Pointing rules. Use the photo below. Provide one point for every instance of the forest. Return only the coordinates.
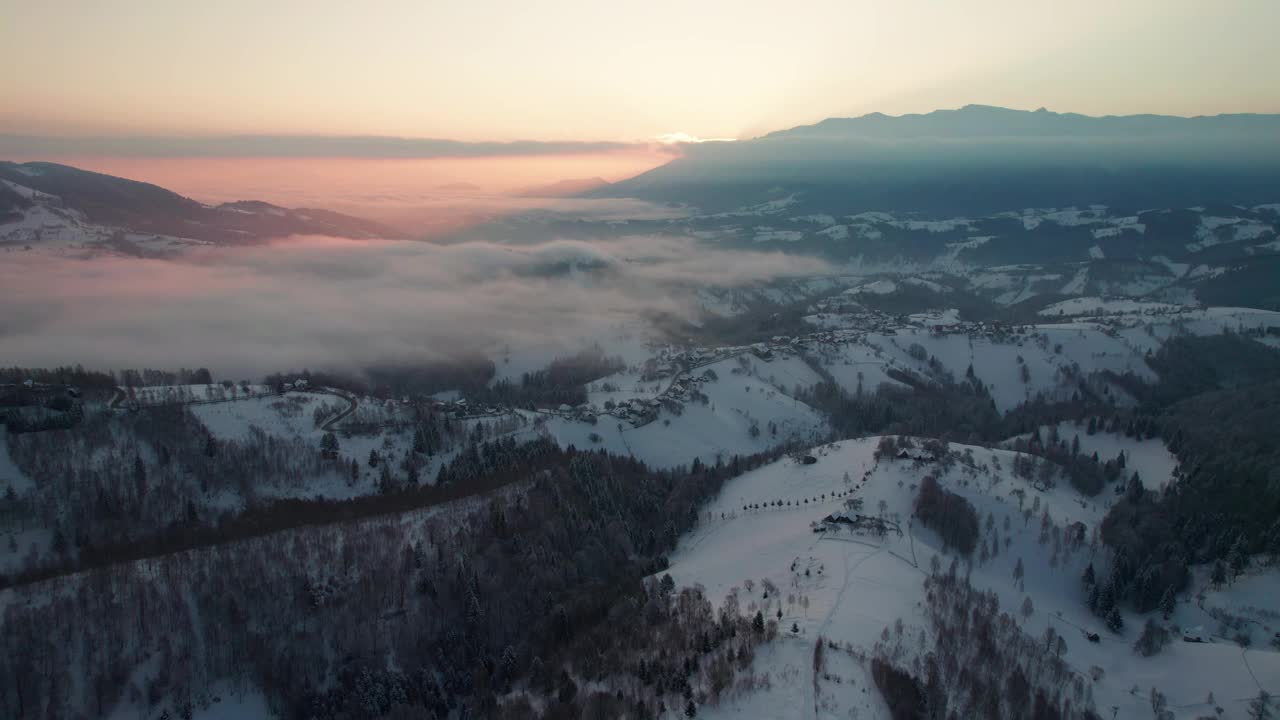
(484, 604)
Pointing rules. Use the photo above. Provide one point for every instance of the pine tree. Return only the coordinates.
(1168, 602)
(1135, 490)
(1089, 577)
(1115, 623)
(1106, 600)
(329, 446)
(419, 442)
(373, 458)
(757, 623)
(139, 475)
(1219, 575)
(690, 710)
(1260, 707)
(1238, 558)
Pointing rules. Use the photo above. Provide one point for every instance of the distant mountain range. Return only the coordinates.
(566, 188)
(980, 159)
(40, 200)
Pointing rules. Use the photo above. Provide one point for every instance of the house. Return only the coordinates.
(299, 384)
(1195, 635)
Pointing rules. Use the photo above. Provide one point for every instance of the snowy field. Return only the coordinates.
(850, 588)
(722, 427)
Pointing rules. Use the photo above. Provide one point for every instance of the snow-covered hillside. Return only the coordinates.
(853, 588)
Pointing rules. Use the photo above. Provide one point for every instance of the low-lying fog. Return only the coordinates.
(331, 303)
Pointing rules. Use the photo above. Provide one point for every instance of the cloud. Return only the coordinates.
(680, 138)
(294, 146)
(329, 303)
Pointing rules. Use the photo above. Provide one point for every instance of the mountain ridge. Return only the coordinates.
(124, 204)
(979, 159)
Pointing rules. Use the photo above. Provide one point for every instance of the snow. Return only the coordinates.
(1096, 253)
(721, 428)
(1176, 269)
(768, 234)
(1254, 597)
(926, 284)
(878, 287)
(221, 702)
(1106, 306)
(10, 475)
(858, 586)
(26, 192)
(630, 386)
(819, 219)
(1150, 458)
(1242, 229)
(174, 394)
(856, 365)
(836, 232)
(936, 226)
(1076, 286)
(996, 363)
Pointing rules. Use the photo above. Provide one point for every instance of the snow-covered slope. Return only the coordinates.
(851, 588)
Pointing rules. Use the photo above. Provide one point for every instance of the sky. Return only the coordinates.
(570, 70)
(593, 83)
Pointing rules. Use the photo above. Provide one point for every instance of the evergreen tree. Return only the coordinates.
(1219, 574)
(757, 623)
(139, 475)
(1238, 558)
(1260, 707)
(1167, 602)
(374, 459)
(1089, 577)
(329, 446)
(1106, 599)
(1135, 490)
(1115, 623)
(690, 710)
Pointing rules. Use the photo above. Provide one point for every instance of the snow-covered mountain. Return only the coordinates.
(981, 159)
(60, 208)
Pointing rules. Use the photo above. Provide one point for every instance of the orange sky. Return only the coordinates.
(356, 182)
(623, 71)
(573, 71)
